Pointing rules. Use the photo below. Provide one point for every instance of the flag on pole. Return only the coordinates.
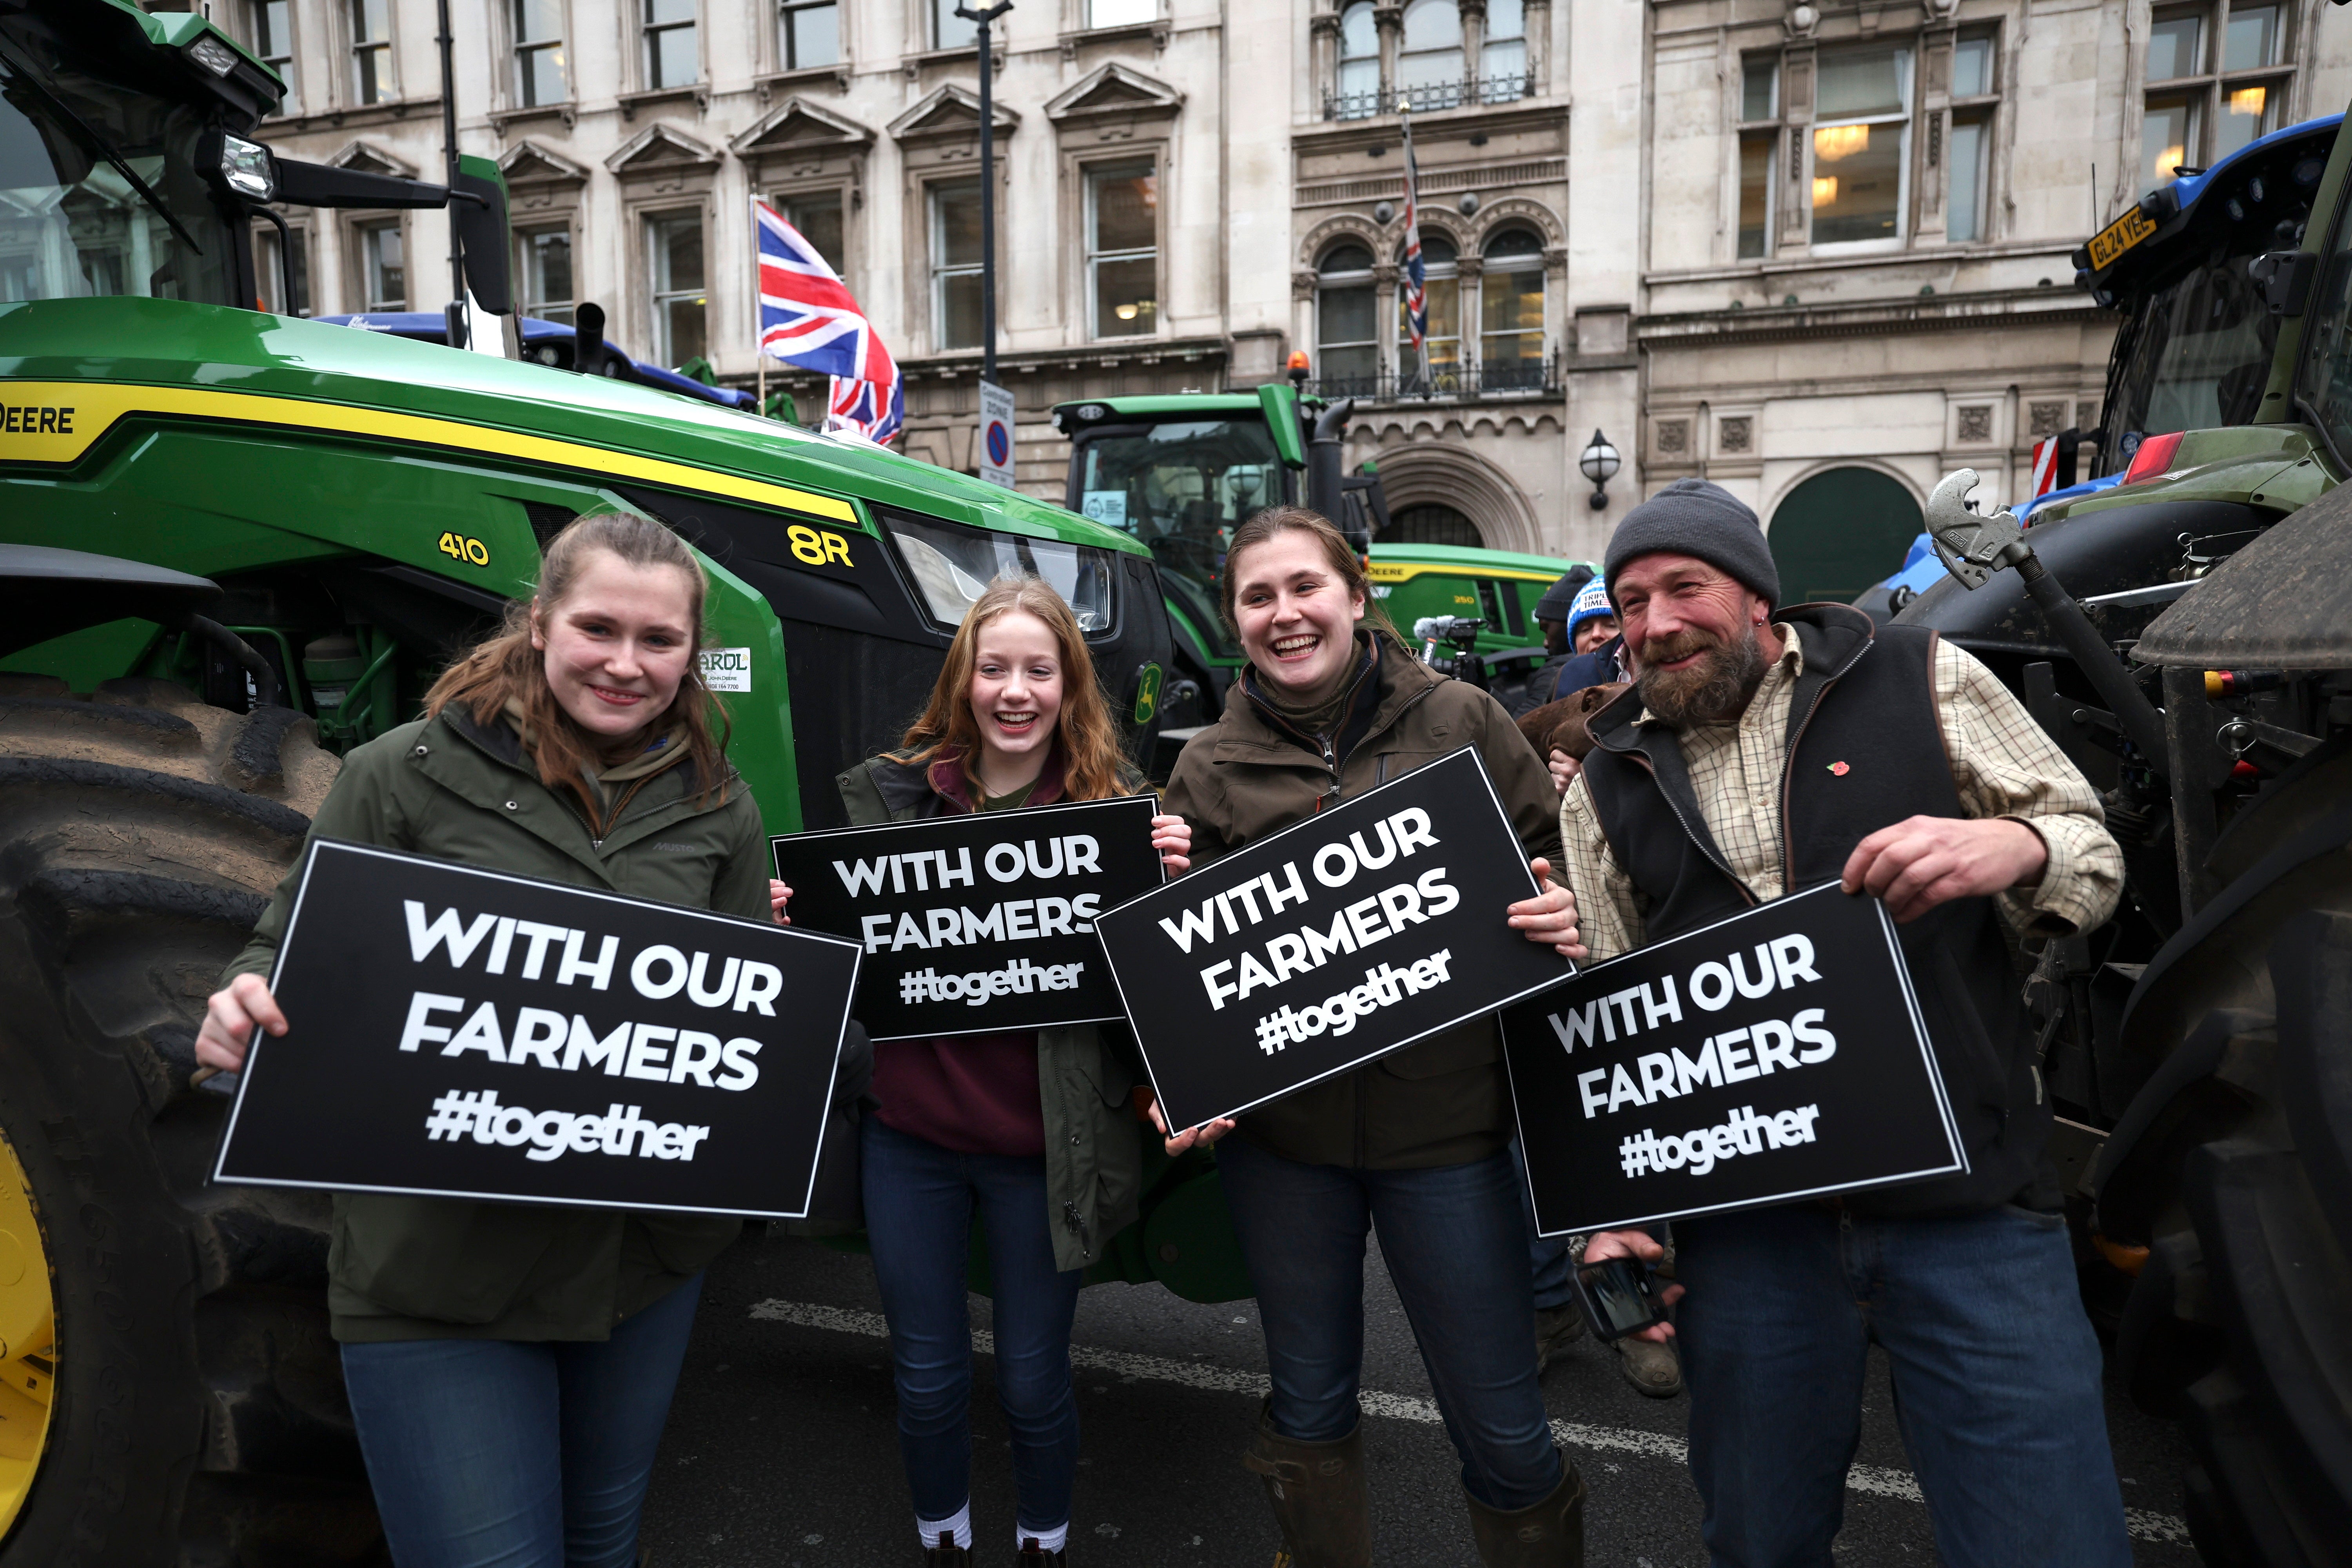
(809, 320)
(1416, 274)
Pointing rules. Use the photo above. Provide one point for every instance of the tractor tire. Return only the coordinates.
(197, 1414)
(2234, 1167)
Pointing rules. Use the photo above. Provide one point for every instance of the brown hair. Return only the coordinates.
(506, 667)
(1091, 759)
(1342, 556)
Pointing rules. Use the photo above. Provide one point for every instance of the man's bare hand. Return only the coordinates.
(1549, 917)
(1639, 1244)
(1564, 769)
(1923, 861)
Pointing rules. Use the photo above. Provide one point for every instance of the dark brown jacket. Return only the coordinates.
(1442, 1101)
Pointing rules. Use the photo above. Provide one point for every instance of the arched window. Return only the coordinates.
(1433, 524)
(1511, 313)
(1430, 67)
(1360, 64)
(1444, 335)
(1347, 337)
(1839, 531)
(1503, 58)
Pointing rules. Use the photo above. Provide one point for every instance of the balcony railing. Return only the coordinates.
(1428, 96)
(1510, 378)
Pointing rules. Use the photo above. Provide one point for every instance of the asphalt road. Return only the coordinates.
(781, 1452)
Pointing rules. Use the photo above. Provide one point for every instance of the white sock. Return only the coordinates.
(957, 1524)
(1052, 1540)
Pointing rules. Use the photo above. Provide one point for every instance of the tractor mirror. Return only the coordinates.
(482, 230)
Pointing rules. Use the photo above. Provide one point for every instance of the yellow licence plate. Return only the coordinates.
(2119, 236)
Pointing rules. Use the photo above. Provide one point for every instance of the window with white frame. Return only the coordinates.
(808, 34)
(674, 268)
(1862, 132)
(544, 257)
(1442, 289)
(1503, 57)
(281, 269)
(1346, 321)
(672, 55)
(1511, 312)
(1759, 153)
(955, 264)
(1429, 65)
(1123, 249)
(950, 31)
(372, 71)
(543, 75)
(383, 266)
(1359, 97)
(271, 25)
(1122, 13)
(1975, 89)
(2218, 76)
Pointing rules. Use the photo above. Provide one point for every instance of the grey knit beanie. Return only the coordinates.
(1700, 519)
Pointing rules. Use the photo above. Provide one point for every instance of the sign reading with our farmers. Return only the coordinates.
(1340, 938)
(977, 922)
(1775, 1056)
(456, 1033)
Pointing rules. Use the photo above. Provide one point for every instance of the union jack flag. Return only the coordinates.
(1416, 276)
(809, 320)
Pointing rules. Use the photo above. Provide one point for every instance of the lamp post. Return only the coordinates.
(1599, 461)
(983, 22)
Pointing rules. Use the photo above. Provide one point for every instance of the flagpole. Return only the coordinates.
(758, 317)
(1412, 191)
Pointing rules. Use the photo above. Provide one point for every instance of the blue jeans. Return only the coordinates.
(1455, 1241)
(1546, 1255)
(919, 1204)
(514, 1454)
(1997, 1383)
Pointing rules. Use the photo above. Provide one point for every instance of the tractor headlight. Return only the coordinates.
(952, 566)
(212, 55)
(247, 169)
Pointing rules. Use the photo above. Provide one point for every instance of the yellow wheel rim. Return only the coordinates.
(27, 1339)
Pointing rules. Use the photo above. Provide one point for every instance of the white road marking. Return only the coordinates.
(1868, 1478)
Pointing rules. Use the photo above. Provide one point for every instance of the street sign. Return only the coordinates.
(468, 1034)
(995, 452)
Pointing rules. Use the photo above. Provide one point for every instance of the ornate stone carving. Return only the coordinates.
(1976, 422)
(1674, 436)
(1736, 433)
(2045, 419)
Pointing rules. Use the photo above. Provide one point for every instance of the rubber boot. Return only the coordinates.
(947, 1554)
(1319, 1496)
(1549, 1534)
(1033, 1556)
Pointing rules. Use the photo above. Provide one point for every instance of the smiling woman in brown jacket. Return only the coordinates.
(1333, 704)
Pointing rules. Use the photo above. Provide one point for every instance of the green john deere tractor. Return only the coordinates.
(233, 545)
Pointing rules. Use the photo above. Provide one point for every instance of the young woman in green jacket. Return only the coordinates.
(1033, 1130)
(511, 1366)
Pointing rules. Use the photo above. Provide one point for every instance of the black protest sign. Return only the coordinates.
(454, 1032)
(1774, 1055)
(981, 922)
(1337, 940)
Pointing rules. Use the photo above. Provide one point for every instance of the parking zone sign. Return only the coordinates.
(995, 453)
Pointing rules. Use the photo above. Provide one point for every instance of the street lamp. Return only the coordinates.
(982, 21)
(1599, 462)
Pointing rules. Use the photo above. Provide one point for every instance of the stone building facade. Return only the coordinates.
(1817, 251)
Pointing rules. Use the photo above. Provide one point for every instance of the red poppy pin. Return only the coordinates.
(1840, 769)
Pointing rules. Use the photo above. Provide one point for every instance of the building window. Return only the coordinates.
(1511, 313)
(1969, 160)
(545, 258)
(680, 310)
(273, 40)
(1760, 150)
(950, 31)
(384, 267)
(282, 273)
(1442, 289)
(1360, 64)
(811, 34)
(1123, 251)
(818, 217)
(2200, 109)
(1860, 133)
(1122, 13)
(1346, 321)
(541, 74)
(672, 59)
(371, 74)
(1503, 57)
(1429, 67)
(955, 264)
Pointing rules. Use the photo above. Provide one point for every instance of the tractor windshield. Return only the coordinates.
(1182, 488)
(2194, 356)
(74, 150)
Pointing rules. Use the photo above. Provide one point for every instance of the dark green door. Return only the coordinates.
(1840, 533)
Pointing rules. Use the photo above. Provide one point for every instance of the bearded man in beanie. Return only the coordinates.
(1762, 750)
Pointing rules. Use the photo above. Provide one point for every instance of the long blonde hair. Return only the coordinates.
(1091, 759)
(506, 668)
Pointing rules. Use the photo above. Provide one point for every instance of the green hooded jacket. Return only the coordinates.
(419, 1269)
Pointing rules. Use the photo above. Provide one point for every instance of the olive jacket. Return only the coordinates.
(413, 1269)
(1442, 1101)
(1093, 1142)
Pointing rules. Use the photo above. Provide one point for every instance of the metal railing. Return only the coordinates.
(1428, 96)
(1511, 378)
